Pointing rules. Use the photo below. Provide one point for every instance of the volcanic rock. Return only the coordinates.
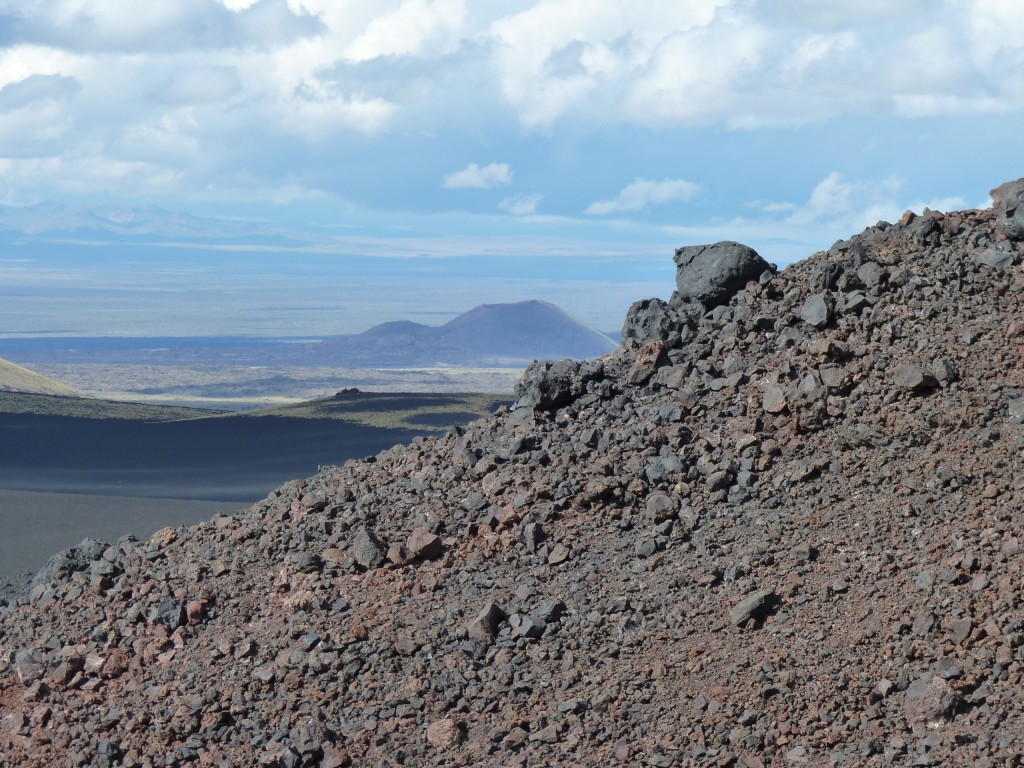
(651, 320)
(817, 310)
(755, 606)
(749, 536)
(1009, 206)
(712, 274)
(367, 550)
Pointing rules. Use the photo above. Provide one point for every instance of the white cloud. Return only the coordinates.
(643, 193)
(201, 85)
(771, 206)
(839, 208)
(475, 176)
(318, 114)
(238, 5)
(852, 205)
(414, 27)
(521, 205)
(613, 43)
(291, 80)
(21, 62)
(835, 208)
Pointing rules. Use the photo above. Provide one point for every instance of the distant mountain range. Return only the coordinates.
(56, 219)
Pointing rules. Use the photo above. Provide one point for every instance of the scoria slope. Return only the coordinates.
(779, 526)
(14, 378)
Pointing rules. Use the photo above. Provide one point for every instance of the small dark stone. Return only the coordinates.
(755, 606)
(910, 376)
(817, 310)
(367, 550)
(484, 627)
(168, 612)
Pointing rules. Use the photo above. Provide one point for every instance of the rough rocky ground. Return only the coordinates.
(780, 526)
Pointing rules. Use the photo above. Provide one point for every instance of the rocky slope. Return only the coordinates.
(14, 378)
(781, 525)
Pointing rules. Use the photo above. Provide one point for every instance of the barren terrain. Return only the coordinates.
(242, 387)
(781, 525)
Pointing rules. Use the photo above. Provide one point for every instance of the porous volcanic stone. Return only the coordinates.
(1009, 204)
(367, 550)
(712, 274)
(930, 701)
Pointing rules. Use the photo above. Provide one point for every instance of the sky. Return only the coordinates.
(479, 128)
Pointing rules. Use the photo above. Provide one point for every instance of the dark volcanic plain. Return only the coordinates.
(104, 469)
(780, 525)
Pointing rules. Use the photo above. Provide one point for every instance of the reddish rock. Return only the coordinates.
(423, 544)
(444, 734)
(195, 611)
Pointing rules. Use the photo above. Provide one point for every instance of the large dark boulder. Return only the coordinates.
(712, 274)
(1009, 204)
(546, 385)
(652, 320)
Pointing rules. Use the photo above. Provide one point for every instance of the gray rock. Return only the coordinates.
(1009, 205)
(910, 376)
(550, 611)
(63, 564)
(712, 274)
(661, 507)
(484, 627)
(755, 606)
(29, 665)
(307, 741)
(929, 701)
(652, 320)
(645, 547)
(857, 435)
(533, 534)
(548, 386)
(949, 668)
(532, 627)
(871, 273)
(168, 612)
(1015, 409)
(108, 754)
(817, 310)
(995, 259)
(945, 370)
(367, 550)
(304, 562)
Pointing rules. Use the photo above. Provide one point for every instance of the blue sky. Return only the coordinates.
(478, 125)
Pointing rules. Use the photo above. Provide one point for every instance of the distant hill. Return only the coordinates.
(490, 334)
(14, 378)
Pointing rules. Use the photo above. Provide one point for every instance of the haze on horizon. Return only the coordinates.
(553, 149)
